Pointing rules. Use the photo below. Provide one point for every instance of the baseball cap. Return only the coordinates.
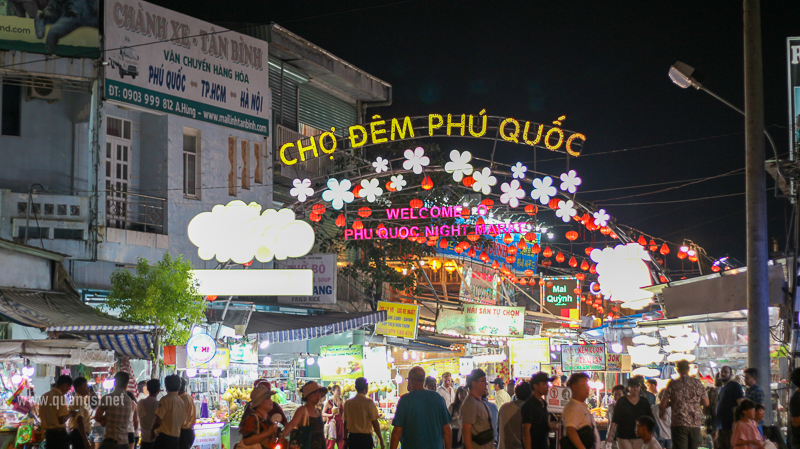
(498, 381)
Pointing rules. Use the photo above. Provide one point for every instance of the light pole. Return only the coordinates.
(758, 336)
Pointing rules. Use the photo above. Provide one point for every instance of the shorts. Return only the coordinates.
(98, 434)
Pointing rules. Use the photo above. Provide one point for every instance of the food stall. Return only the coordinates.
(207, 367)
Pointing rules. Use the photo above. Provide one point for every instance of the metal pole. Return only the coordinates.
(756, 190)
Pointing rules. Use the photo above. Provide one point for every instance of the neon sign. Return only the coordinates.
(201, 348)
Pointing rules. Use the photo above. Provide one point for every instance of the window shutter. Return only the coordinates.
(288, 115)
(322, 110)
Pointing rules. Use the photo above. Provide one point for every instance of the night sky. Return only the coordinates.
(602, 64)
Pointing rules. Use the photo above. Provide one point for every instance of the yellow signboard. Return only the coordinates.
(221, 360)
(401, 320)
(533, 350)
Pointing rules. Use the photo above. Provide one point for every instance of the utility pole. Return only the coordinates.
(756, 189)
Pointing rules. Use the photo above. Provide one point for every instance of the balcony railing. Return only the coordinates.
(135, 212)
(316, 166)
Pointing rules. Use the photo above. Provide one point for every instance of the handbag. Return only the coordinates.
(241, 445)
(486, 436)
(301, 436)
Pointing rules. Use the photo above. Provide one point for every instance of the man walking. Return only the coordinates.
(79, 425)
(170, 414)
(421, 420)
(730, 395)
(577, 415)
(509, 419)
(685, 395)
(147, 412)
(500, 395)
(190, 417)
(476, 418)
(53, 412)
(115, 412)
(360, 417)
(535, 419)
(446, 390)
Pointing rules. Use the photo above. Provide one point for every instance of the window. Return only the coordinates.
(11, 112)
(191, 163)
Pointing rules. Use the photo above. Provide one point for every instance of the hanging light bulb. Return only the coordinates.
(266, 360)
(263, 344)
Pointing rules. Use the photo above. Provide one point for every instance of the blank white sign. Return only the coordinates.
(254, 282)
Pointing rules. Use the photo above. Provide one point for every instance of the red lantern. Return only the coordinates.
(593, 270)
(480, 221)
(715, 268)
(431, 243)
(427, 183)
(489, 203)
(571, 236)
(584, 265)
(560, 257)
(592, 226)
(473, 237)
(613, 235)
(580, 276)
(588, 251)
(521, 245)
(468, 181)
(416, 203)
(529, 272)
(465, 212)
(530, 237)
(495, 265)
(512, 250)
(681, 255)
(664, 249)
(357, 190)
(586, 218)
(523, 281)
(211, 297)
(577, 290)
(573, 262)
(662, 278)
(318, 209)
(653, 245)
(508, 238)
(315, 218)
(471, 253)
(605, 230)
(642, 241)
(536, 248)
(485, 257)
(615, 308)
(511, 259)
(390, 187)
(541, 282)
(546, 263)
(358, 225)
(583, 299)
(693, 258)
(549, 284)
(364, 212)
(341, 221)
(547, 252)
(531, 209)
(443, 243)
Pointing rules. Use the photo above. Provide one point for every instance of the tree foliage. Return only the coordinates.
(163, 295)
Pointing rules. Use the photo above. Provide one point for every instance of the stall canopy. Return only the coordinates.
(64, 312)
(56, 352)
(278, 327)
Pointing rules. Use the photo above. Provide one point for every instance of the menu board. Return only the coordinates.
(583, 357)
(530, 350)
(494, 321)
(613, 362)
(341, 362)
(401, 320)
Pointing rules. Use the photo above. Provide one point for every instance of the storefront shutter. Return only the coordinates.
(288, 115)
(322, 110)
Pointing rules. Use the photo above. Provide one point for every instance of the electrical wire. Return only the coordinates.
(675, 187)
(584, 192)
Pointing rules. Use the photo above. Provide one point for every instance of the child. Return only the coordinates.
(759, 419)
(745, 433)
(645, 426)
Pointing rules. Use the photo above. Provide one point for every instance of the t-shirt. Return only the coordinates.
(653, 444)
(726, 404)
(626, 413)
(665, 423)
(448, 394)
(534, 412)
(794, 412)
(190, 411)
(52, 406)
(81, 404)
(685, 394)
(509, 425)
(422, 415)
(172, 412)
(147, 414)
(475, 412)
(500, 398)
(576, 414)
(358, 414)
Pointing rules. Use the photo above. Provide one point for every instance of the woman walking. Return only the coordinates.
(307, 419)
(257, 425)
(333, 413)
(455, 413)
(627, 410)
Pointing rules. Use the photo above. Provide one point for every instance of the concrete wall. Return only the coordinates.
(21, 270)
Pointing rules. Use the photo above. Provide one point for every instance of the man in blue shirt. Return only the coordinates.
(421, 420)
(730, 395)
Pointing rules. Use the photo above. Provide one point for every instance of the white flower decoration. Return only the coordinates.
(338, 193)
(513, 193)
(415, 160)
(543, 189)
(381, 165)
(398, 182)
(484, 181)
(302, 189)
(601, 218)
(459, 165)
(566, 210)
(570, 181)
(519, 170)
(370, 189)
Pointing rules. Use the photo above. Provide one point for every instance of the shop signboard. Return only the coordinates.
(68, 28)
(376, 365)
(530, 350)
(341, 362)
(583, 357)
(211, 435)
(451, 321)
(525, 258)
(557, 398)
(169, 62)
(613, 362)
(793, 71)
(526, 369)
(244, 353)
(324, 268)
(221, 360)
(494, 321)
(200, 348)
(559, 297)
(478, 285)
(401, 320)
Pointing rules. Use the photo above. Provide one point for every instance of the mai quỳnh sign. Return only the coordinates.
(494, 321)
(169, 62)
(401, 320)
(341, 362)
(54, 28)
(559, 297)
(583, 357)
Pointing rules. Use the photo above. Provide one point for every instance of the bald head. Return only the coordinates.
(416, 378)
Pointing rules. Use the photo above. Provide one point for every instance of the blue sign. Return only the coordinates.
(526, 260)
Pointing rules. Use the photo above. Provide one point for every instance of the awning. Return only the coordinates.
(279, 327)
(134, 346)
(56, 352)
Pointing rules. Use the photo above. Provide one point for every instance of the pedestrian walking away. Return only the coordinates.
(170, 414)
(500, 394)
(685, 396)
(54, 413)
(360, 417)
(186, 439)
(115, 413)
(535, 418)
(509, 419)
(147, 411)
(307, 419)
(663, 419)
(421, 420)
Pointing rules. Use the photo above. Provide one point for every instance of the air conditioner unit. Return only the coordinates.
(45, 89)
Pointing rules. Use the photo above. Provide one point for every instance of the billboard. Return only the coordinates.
(583, 357)
(525, 259)
(793, 71)
(54, 27)
(324, 268)
(341, 362)
(169, 62)
(494, 321)
(480, 285)
(401, 320)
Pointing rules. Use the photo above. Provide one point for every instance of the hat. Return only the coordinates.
(541, 377)
(498, 381)
(262, 381)
(259, 394)
(311, 387)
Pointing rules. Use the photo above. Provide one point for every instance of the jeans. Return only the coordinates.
(56, 439)
(686, 437)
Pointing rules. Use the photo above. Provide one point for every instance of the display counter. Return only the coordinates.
(214, 435)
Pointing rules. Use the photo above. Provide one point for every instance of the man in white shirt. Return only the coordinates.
(645, 426)
(500, 395)
(446, 389)
(147, 412)
(576, 414)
